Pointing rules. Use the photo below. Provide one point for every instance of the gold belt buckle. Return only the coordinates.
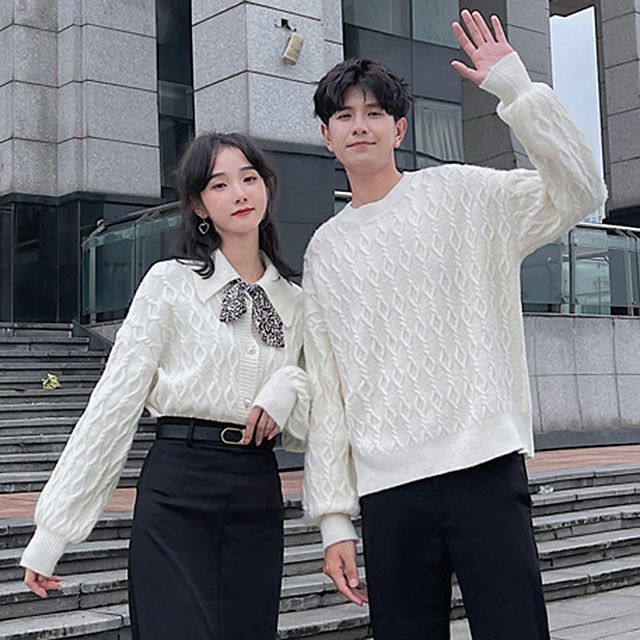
(224, 431)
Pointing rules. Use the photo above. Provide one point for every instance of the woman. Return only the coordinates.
(211, 346)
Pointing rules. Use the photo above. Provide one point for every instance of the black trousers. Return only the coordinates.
(476, 522)
(205, 560)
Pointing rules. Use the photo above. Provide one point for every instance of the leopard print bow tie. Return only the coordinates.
(265, 318)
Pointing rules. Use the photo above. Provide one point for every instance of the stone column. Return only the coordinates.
(618, 37)
(28, 88)
(242, 84)
(107, 97)
(487, 140)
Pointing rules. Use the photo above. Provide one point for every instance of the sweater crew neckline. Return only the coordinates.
(370, 211)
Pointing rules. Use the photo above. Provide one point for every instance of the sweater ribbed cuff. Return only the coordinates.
(278, 403)
(43, 552)
(507, 79)
(336, 527)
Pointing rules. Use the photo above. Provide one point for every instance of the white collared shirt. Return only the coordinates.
(174, 356)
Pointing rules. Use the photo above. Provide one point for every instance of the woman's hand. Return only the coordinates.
(39, 583)
(263, 424)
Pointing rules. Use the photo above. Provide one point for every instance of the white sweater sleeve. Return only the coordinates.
(286, 398)
(92, 461)
(330, 494)
(566, 186)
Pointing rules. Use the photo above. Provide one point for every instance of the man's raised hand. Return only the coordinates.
(483, 47)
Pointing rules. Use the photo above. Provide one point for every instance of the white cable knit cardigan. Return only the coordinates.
(414, 336)
(174, 356)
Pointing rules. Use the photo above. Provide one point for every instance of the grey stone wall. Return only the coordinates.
(78, 97)
(244, 85)
(585, 377)
(618, 38)
(487, 141)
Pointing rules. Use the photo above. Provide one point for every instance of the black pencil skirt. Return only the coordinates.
(205, 559)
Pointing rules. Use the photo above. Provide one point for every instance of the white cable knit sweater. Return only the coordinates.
(174, 356)
(414, 336)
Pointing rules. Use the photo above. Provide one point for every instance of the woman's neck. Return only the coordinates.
(244, 256)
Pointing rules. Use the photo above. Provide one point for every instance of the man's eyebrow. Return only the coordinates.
(369, 105)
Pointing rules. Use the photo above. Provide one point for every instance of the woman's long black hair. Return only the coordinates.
(192, 173)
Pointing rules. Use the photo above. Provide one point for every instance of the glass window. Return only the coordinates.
(545, 278)
(388, 16)
(592, 289)
(438, 127)
(432, 21)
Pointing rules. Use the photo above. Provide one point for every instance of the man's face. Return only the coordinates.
(361, 134)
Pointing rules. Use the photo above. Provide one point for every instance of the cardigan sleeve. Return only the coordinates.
(286, 398)
(90, 465)
(330, 494)
(566, 184)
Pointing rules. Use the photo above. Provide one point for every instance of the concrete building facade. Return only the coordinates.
(97, 98)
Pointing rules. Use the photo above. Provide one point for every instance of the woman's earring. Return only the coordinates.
(204, 227)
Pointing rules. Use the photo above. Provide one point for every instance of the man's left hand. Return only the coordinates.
(483, 47)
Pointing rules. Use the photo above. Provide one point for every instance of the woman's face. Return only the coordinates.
(235, 198)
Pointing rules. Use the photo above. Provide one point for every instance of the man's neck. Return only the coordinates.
(370, 187)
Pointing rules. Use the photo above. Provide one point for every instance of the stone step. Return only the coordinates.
(595, 547)
(78, 591)
(101, 623)
(107, 554)
(43, 360)
(46, 461)
(52, 425)
(15, 533)
(26, 411)
(307, 559)
(310, 605)
(561, 480)
(335, 622)
(10, 369)
(21, 381)
(40, 342)
(25, 482)
(55, 443)
(26, 395)
(578, 523)
(585, 498)
(36, 329)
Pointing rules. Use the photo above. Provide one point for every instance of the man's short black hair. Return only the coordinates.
(389, 90)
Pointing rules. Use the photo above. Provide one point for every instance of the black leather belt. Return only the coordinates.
(223, 434)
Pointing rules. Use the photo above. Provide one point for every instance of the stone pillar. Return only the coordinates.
(78, 97)
(487, 141)
(242, 84)
(28, 88)
(107, 98)
(618, 38)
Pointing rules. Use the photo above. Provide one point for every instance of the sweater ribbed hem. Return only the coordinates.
(336, 527)
(481, 442)
(43, 552)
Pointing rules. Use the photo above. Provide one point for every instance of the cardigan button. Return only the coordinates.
(247, 403)
(251, 349)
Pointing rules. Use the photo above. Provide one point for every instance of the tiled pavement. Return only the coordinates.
(22, 504)
(612, 615)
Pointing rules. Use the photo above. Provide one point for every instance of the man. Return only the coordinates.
(415, 349)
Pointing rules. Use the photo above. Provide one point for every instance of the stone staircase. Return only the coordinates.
(35, 423)
(587, 524)
(588, 532)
